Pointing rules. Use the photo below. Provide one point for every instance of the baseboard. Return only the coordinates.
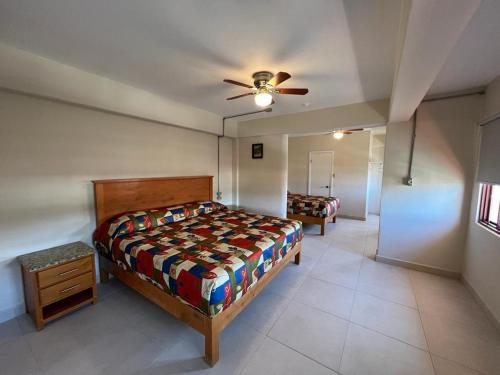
(11, 312)
(418, 267)
(352, 217)
(481, 303)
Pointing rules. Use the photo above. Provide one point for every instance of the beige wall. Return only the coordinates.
(262, 182)
(482, 248)
(427, 223)
(49, 153)
(350, 168)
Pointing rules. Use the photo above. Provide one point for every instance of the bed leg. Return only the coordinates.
(212, 347)
(103, 275)
(323, 228)
(297, 258)
(334, 219)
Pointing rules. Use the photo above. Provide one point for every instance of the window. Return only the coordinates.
(489, 207)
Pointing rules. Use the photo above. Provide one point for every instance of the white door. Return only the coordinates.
(374, 187)
(320, 173)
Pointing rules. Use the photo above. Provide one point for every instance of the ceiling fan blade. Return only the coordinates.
(347, 132)
(278, 78)
(356, 130)
(240, 96)
(238, 83)
(292, 91)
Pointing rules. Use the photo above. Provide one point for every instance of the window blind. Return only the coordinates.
(489, 159)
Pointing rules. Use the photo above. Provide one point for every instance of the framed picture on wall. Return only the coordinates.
(257, 151)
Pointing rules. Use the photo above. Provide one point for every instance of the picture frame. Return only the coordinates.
(257, 151)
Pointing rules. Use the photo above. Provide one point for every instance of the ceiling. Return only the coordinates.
(343, 51)
(475, 59)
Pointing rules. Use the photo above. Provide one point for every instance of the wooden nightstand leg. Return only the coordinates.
(39, 323)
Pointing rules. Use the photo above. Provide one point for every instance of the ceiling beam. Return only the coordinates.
(349, 116)
(429, 31)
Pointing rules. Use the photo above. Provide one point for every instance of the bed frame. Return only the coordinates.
(314, 220)
(116, 196)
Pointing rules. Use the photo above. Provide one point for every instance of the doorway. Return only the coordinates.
(375, 170)
(320, 173)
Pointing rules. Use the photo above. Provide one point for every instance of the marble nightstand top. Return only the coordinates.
(56, 255)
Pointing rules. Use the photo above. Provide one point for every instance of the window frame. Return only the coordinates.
(484, 209)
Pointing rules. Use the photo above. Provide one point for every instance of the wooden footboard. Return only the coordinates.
(210, 327)
(322, 221)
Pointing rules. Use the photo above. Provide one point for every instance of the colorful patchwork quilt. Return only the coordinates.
(202, 253)
(310, 205)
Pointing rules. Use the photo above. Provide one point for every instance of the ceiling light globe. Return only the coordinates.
(338, 135)
(263, 99)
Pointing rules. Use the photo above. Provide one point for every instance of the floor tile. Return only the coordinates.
(325, 296)
(288, 281)
(9, 330)
(444, 367)
(387, 282)
(393, 293)
(368, 352)
(264, 310)
(273, 358)
(16, 358)
(338, 267)
(469, 344)
(449, 299)
(372, 272)
(237, 343)
(391, 319)
(56, 338)
(314, 333)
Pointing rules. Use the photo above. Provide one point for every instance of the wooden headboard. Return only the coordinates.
(116, 196)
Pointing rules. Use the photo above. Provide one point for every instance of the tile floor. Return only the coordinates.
(339, 312)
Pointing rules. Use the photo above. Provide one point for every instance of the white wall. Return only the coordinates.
(482, 248)
(50, 152)
(262, 183)
(427, 223)
(350, 167)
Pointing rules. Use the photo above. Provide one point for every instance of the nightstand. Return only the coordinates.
(58, 281)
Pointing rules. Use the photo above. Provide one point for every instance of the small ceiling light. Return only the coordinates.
(263, 98)
(338, 135)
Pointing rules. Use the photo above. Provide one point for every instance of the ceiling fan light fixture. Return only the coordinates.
(263, 98)
(338, 135)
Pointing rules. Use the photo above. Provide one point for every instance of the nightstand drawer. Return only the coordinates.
(66, 288)
(64, 271)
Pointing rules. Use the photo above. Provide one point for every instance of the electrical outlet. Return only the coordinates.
(408, 181)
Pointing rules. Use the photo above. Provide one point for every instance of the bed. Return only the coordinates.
(312, 209)
(195, 258)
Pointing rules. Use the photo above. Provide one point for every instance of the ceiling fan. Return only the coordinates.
(339, 134)
(264, 86)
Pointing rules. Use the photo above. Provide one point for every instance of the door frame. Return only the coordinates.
(309, 171)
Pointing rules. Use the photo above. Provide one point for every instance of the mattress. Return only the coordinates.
(310, 205)
(204, 254)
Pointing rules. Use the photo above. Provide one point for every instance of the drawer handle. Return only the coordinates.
(70, 288)
(67, 272)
